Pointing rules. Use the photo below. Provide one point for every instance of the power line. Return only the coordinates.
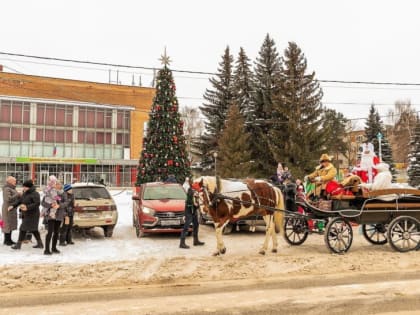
(190, 71)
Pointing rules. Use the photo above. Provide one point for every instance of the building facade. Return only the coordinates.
(76, 130)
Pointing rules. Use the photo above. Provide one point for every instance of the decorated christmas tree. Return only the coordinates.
(164, 155)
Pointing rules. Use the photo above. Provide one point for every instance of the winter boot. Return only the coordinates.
(8, 239)
(11, 241)
(182, 244)
(17, 245)
(38, 241)
(197, 241)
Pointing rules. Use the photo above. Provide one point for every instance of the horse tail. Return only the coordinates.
(279, 215)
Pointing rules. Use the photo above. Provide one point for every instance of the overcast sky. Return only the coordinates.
(342, 40)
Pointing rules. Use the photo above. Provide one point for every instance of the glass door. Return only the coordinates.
(43, 178)
(67, 178)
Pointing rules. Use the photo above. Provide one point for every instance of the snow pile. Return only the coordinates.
(95, 247)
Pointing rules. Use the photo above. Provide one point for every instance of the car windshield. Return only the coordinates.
(89, 193)
(164, 192)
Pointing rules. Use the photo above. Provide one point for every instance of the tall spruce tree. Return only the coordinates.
(164, 143)
(215, 109)
(266, 78)
(297, 138)
(243, 85)
(374, 127)
(335, 129)
(234, 156)
(413, 170)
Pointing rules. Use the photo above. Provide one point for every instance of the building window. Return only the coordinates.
(4, 133)
(100, 119)
(60, 116)
(5, 109)
(16, 113)
(49, 117)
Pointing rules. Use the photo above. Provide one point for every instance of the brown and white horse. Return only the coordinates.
(225, 199)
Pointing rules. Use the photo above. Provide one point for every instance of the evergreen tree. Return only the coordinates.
(164, 142)
(266, 75)
(218, 101)
(234, 156)
(243, 83)
(297, 138)
(413, 170)
(374, 126)
(335, 129)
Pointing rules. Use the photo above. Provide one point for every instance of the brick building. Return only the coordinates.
(76, 130)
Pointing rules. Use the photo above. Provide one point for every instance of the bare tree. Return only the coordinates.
(193, 129)
(402, 121)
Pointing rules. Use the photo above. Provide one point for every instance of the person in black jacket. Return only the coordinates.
(68, 205)
(29, 206)
(191, 207)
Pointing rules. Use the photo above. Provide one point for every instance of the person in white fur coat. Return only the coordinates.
(382, 180)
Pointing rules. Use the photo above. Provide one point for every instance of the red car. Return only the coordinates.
(158, 208)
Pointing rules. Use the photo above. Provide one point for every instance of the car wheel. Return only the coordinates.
(108, 230)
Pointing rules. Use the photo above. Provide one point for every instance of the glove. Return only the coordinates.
(318, 178)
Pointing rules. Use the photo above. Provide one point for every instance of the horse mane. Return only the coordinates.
(210, 182)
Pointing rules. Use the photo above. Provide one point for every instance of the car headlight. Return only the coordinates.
(149, 211)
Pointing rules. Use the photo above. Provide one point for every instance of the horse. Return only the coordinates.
(226, 199)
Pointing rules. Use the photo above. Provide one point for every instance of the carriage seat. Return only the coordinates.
(399, 192)
(343, 197)
(403, 198)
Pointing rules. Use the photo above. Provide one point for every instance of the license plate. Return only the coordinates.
(170, 222)
(88, 215)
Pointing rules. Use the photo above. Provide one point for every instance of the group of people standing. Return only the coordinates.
(57, 211)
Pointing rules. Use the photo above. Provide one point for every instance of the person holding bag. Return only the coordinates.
(53, 213)
(9, 212)
(29, 206)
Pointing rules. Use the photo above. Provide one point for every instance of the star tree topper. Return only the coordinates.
(165, 59)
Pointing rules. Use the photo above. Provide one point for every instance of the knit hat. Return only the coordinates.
(67, 187)
(28, 183)
(325, 157)
(52, 180)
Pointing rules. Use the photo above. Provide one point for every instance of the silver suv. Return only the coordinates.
(94, 206)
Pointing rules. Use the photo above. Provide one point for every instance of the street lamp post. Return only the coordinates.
(379, 136)
(215, 163)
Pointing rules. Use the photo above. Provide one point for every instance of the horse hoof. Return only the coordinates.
(262, 252)
(217, 253)
(274, 250)
(223, 250)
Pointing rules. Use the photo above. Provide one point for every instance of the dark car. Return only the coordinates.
(158, 208)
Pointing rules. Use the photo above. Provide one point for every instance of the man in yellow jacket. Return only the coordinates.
(323, 173)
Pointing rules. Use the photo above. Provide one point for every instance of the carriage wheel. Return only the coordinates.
(338, 235)
(404, 233)
(375, 233)
(295, 230)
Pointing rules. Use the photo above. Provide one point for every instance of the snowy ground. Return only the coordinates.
(95, 247)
